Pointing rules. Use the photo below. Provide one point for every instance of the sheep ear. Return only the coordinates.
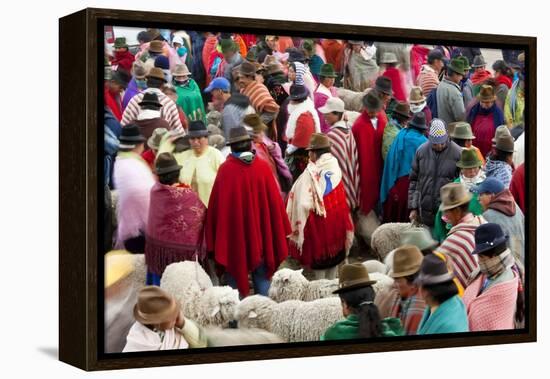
(252, 314)
(215, 311)
(300, 270)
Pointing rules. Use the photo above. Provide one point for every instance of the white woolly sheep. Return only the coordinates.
(288, 284)
(374, 265)
(292, 320)
(389, 262)
(186, 281)
(383, 282)
(353, 101)
(387, 237)
(236, 337)
(139, 276)
(218, 306)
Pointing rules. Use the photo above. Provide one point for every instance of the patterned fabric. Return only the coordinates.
(427, 79)
(260, 98)
(409, 311)
(174, 227)
(438, 131)
(344, 149)
(458, 247)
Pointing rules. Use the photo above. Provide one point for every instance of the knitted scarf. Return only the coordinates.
(307, 194)
(494, 266)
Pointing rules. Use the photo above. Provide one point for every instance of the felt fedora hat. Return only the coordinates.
(247, 69)
(298, 92)
(505, 143)
(155, 306)
(372, 102)
(407, 260)
(122, 77)
(466, 62)
(419, 121)
(479, 61)
(416, 96)
(327, 71)
(383, 84)
(272, 66)
(353, 276)
(457, 65)
(181, 70)
(255, 122)
(403, 109)
(454, 195)
(120, 42)
(130, 136)
(197, 129)
(156, 73)
(318, 141)
(501, 130)
(156, 46)
(488, 236)
(469, 159)
(238, 134)
(166, 163)
(388, 57)
(433, 270)
(150, 99)
(461, 130)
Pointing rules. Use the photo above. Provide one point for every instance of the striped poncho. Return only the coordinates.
(260, 98)
(458, 246)
(169, 111)
(344, 149)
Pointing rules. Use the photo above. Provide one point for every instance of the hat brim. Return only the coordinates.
(418, 126)
(417, 101)
(463, 201)
(298, 97)
(198, 134)
(135, 139)
(327, 110)
(238, 139)
(150, 103)
(354, 286)
(309, 148)
(165, 316)
(327, 75)
(166, 170)
(481, 248)
(402, 274)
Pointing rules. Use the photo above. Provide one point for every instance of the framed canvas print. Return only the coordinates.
(240, 189)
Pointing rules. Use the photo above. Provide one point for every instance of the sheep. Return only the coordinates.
(375, 266)
(292, 320)
(217, 306)
(383, 282)
(218, 337)
(139, 276)
(288, 284)
(353, 101)
(387, 237)
(186, 281)
(389, 262)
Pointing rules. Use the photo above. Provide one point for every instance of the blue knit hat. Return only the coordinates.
(162, 62)
(438, 131)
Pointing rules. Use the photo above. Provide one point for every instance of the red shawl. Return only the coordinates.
(113, 102)
(246, 222)
(517, 186)
(175, 227)
(369, 148)
(397, 84)
(419, 57)
(124, 60)
(480, 77)
(209, 46)
(503, 79)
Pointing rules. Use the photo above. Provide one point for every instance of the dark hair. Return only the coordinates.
(402, 119)
(411, 278)
(319, 152)
(339, 114)
(390, 64)
(241, 147)
(441, 292)
(459, 141)
(169, 178)
(499, 155)
(144, 37)
(427, 251)
(321, 78)
(465, 208)
(369, 317)
(154, 82)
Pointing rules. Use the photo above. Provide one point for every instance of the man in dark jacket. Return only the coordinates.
(434, 165)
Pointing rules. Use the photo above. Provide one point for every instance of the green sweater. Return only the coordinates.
(348, 328)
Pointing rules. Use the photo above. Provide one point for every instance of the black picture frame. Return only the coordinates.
(80, 196)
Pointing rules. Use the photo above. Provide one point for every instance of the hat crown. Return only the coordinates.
(238, 134)
(247, 68)
(334, 104)
(406, 260)
(295, 55)
(488, 233)
(433, 270)
(469, 159)
(384, 84)
(155, 46)
(165, 160)
(371, 101)
(197, 125)
(255, 122)
(454, 195)
(479, 61)
(389, 57)
(419, 120)
(403, 109)
(131, 133)
(434, 54)
(150, 98)
(465, 60)
(457, 65)
(327, 70)
(156, 137)
(353, 275)
(181, 70)
(298, 91)
(156, 73)
(154, 305)
(505, 143)
(462, 130)
(438, 131)
(416, 95)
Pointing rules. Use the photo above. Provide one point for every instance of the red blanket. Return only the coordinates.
(246, 222)
(369, 148)
(397, 83)
(175, 227)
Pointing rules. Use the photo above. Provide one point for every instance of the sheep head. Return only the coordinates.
(219, 305)
(287, 284)
(255, 312)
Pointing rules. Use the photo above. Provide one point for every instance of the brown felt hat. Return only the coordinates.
(247, 69)
(407, 260)
(505, 143)
(238, 134)
(403, 109)
(353, 276)
(487, 93)
(454, 195)
(416, 96)
(318, 141)
(155, 306)
(255, 122)
(155, 46)
(156, 73)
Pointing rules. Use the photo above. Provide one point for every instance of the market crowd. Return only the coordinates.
(241, 152)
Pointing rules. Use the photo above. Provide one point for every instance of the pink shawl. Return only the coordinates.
(495, 308)
(175, 227)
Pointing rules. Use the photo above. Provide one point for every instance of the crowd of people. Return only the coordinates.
(242, 151)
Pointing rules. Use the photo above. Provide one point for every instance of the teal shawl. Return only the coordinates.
(449, 317)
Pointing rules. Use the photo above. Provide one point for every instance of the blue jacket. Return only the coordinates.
(449, 317)
(399, 160)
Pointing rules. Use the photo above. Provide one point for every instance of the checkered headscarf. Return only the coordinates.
(300, 72)
(438, 131)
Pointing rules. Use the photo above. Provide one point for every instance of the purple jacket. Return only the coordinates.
(131, 91)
